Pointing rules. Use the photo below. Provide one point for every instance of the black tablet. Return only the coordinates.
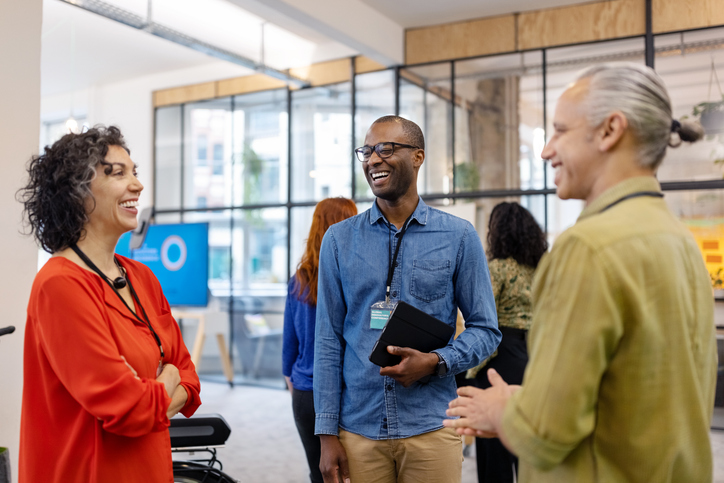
(410, 327)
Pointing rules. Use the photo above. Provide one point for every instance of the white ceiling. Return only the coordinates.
(420, 13)
(81, 49)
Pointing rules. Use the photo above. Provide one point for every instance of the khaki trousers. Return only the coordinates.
(434, 457)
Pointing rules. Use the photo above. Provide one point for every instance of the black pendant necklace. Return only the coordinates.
(120, 282)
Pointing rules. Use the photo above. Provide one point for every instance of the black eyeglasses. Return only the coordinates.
(383, 150)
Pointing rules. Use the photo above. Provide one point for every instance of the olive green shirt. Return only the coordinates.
(511, 283)
(620, 383)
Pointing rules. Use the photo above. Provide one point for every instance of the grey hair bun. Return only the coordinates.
(685, 130)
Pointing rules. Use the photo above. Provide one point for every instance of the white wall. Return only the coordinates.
(20, 25)
(129, 105)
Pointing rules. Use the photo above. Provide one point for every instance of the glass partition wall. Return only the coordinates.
(255, 165)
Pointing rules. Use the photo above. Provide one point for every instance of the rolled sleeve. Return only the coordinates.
(539, 451)
(326, 424)
(328, 342)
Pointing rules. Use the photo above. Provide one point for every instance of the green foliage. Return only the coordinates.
(467, 177)
(708, 107)
(717, 282)
(252, 169)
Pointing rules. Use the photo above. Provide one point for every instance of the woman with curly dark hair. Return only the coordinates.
(105, 366)
(299, 323)
(515, 246)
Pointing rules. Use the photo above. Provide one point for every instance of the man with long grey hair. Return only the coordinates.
(620, 383)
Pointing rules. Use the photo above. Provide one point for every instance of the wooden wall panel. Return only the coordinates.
(325, 72)
(178, 95)
(602, 20)
(249, 83)
(364, 64)
(464, 39)
(317, 74)
(672, 15)
(581, 23)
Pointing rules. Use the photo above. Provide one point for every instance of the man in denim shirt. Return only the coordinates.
(385, 424)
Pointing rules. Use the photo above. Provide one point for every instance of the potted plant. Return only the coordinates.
(711, 116)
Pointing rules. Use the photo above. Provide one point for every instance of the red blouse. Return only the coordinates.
(85, 417)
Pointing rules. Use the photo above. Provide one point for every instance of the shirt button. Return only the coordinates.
(394, 294)
(389, 387)
(384, 426)
(384, 419)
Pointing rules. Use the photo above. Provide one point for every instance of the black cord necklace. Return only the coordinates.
(117, 284)
(637, 194)
(393, 260)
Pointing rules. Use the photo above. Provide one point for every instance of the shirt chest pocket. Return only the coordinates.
(430, 279)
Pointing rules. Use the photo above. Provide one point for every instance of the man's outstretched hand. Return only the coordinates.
(480, 410)
(414, 365)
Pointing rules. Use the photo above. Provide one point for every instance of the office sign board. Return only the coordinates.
(178, 254)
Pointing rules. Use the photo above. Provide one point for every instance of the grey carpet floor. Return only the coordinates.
(264, 446)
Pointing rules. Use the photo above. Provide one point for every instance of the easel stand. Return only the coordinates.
(199, 343)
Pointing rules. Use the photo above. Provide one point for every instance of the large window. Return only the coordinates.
(168, 157)
(499, 122)
(498, 129)
(321, 143)
(260, 148)
(206, 180)
(374, 98)
(692, 66)
(255, 165)
(426, 91)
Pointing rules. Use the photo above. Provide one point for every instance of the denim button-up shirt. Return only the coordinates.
(440, 266)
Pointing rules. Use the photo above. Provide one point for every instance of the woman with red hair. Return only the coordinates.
(299, 317)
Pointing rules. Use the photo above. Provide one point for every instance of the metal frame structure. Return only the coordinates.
(454, 194)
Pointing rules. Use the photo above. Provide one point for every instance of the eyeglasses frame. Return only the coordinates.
(378, 147)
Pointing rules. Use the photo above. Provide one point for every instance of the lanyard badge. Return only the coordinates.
(380, 311)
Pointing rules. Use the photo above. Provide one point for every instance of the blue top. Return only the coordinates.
(298, 340)
(441, 266)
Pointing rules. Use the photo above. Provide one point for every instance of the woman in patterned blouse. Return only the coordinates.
(515, 246)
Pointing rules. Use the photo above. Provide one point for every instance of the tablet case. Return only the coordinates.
(410, 327)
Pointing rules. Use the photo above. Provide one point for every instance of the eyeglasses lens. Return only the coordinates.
(363, 153)
(384, 150)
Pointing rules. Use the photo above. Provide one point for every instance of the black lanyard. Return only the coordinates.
(638, 194)
(103, 276)
(393, 263)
